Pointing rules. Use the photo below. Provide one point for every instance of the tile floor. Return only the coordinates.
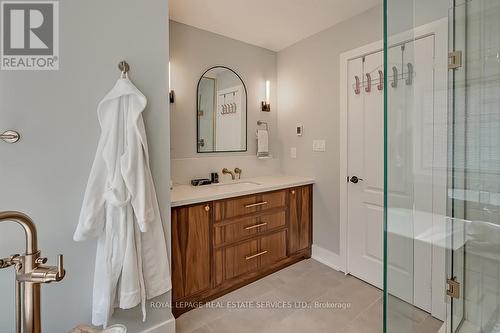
(268, 305)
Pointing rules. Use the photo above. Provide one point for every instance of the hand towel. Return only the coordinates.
(262, 143)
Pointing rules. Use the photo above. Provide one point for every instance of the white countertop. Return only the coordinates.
(182, 195)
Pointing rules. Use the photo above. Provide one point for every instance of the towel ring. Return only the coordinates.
(260, 123)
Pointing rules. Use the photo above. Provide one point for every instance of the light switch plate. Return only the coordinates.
(293, 152)
(319, 145)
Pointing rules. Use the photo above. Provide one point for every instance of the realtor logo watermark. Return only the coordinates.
(29, 35)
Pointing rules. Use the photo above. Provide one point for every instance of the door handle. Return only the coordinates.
(10, 136)
(355, 179)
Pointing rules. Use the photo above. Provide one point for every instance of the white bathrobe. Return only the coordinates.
(120, 209)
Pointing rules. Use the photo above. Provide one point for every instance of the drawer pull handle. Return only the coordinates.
(207, 208)
(256, 204)
(256, 226)
(256, 255)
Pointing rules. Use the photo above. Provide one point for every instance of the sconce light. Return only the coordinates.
(266, 105)
(171, 94)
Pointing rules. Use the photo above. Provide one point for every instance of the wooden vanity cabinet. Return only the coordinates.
(223, 245)
(191, 250)
(300, 212)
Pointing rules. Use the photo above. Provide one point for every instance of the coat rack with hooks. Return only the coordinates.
(407, 76)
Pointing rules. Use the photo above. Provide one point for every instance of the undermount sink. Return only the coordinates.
(241, 183)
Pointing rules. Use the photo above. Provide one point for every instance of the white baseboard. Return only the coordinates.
(328, 258)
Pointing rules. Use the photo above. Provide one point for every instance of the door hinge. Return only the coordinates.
(455, 60)
(453, 288)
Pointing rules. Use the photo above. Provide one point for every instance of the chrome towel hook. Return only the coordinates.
(124, 67)
(10, 136)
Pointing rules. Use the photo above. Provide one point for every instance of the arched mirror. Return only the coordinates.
(221, 112)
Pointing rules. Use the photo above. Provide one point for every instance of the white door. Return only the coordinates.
(409, 174)
(366, 171)
(419, 102)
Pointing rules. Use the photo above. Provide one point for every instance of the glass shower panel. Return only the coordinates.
(456, 225)
(475, 171)
(415, 166)
(442, 166)
(399, 183)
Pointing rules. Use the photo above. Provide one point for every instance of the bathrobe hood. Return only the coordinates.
(121, 211)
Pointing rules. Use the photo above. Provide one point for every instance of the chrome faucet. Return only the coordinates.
(29, 275)
(226, 171)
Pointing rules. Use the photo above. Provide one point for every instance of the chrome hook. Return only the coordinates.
(394, 83)
(369, 82)
(380, 85)
(124, 67)
(357, 90)
(409, 79)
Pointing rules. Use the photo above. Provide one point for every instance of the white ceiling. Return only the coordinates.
(272, 24)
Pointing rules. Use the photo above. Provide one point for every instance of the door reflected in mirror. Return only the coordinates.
(221, 112)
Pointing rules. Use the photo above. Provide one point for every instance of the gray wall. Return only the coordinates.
(192, 51)
(404, 15)
(308, 92)
(45, 174)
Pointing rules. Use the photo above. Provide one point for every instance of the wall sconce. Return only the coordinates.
(266, 105)
(171, 94)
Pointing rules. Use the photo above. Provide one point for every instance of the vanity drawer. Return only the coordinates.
(229, 233)
(275, 245)
(236, 207)
(232, 261)
(249, 256)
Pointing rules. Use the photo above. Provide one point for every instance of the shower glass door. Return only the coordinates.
(416, 49)
(456, 224)
(474, 170)
(442, 166)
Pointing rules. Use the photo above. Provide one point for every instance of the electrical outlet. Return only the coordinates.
(293, 152)
(319, 145)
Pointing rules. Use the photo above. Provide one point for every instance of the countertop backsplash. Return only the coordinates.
(185, 169)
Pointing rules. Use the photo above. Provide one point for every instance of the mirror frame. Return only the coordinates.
(197, 107)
